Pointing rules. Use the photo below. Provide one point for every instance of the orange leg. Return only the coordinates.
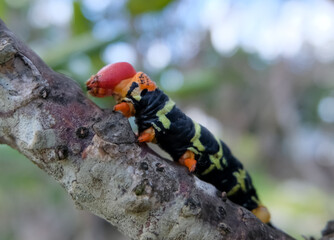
(262, 213)
(147, 136)
(188, 160)
(127, 109)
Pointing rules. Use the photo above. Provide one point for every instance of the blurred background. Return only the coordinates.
(257, 73)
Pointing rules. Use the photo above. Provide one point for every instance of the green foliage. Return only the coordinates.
(3, 10)
(18, 173)
(79, 23)
(142, 6)
(24, 191)
(309, 100)
(84, 43)
(194, 83)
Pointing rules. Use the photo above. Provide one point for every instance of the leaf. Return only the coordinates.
(80, 24)
(198, 82)
(3, 10)
(141, 6)
(84, 43)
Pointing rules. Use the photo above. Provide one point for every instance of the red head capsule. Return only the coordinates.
(104, 82)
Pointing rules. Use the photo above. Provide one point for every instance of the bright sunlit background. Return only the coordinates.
(259, 74)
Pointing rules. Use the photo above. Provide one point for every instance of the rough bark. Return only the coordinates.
(93, 154)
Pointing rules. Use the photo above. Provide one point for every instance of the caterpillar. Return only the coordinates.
(160, 121)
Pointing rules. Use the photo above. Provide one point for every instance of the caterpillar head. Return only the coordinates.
(104, 82)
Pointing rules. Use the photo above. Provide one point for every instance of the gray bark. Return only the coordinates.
(93, 154)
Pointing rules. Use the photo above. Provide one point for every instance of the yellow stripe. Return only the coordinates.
(161, 114)
(209, 169)
(137, 97)
(194, 150)
(233, 190)
(224, 161)
(156, 127)
(256, 200)
(215, 158)
(240, 176)
(195, 140)
(136, 94)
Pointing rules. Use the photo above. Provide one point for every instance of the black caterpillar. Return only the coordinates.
(160, 121)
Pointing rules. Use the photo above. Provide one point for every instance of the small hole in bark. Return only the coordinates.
(224, 228)
(143, 166)
(82, 132)
(160, 167)
(62, 152)
(44, 93)
(221, 211)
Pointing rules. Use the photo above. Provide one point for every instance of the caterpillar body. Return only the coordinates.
(160, 121)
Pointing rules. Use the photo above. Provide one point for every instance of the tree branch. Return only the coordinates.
(93, 154)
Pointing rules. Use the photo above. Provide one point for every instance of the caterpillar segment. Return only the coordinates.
(189, 143)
